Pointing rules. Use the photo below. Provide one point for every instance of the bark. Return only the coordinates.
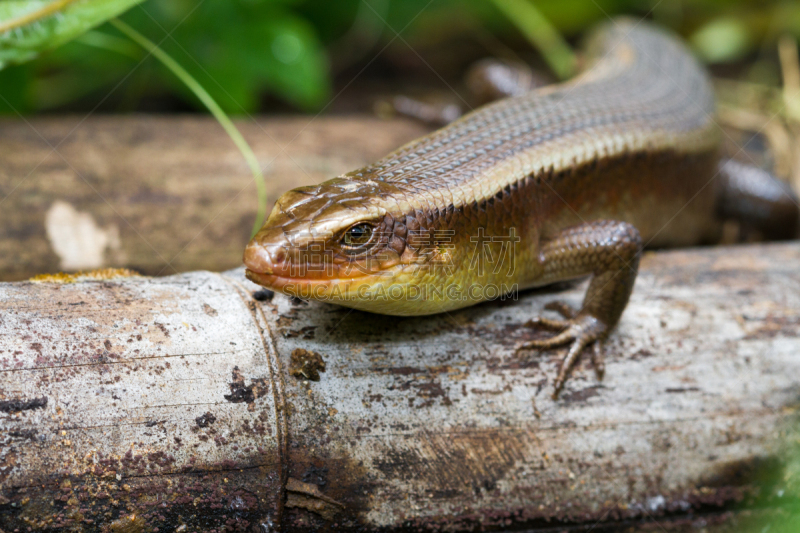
(183, 404)
(159, 195)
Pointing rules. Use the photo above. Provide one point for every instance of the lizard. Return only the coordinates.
(557, 183)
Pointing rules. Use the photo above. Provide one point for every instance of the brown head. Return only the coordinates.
(343, 240)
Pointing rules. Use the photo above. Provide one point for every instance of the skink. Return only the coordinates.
(558, 183)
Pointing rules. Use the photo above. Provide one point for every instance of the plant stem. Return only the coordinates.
(546, 38)
(790, 67)
(111, 43)
(213, 107)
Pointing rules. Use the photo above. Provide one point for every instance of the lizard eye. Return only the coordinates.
(357, 236)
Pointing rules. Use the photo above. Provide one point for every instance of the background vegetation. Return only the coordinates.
(262, 55)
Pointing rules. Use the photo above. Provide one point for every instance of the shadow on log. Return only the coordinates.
(183, 403)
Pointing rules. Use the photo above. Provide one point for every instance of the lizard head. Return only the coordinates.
(346, 241)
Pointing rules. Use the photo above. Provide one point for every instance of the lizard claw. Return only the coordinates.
(578, 329)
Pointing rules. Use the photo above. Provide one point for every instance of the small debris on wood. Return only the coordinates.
(306, 364)
(128, 524)
(263, 295)
(244, 393)
(309, 497)
(205, 420)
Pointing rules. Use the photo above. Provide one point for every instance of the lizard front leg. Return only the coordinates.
(609, 251)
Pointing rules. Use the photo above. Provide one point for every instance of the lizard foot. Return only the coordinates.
(580, 329)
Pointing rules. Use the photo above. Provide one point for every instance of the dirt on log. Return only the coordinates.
(160, 195)
(198, 402)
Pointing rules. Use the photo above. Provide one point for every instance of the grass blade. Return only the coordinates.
(213, 107)
(546, 38)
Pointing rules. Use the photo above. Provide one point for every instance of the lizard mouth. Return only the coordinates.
(269, 281)
(301, 287)
(274, 271)
(305, 288)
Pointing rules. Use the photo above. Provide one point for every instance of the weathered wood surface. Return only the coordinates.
(168, 402)
(160, 195)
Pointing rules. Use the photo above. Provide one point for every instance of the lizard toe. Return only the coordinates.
(579, 332)
(562, 308)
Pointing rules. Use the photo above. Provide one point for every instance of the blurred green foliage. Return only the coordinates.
(244, 50)
(775, 508)
(37, 30)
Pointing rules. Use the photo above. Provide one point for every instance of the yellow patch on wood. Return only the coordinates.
(97, 275)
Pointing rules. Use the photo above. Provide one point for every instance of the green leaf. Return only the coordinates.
(27, 27)
(237, 50)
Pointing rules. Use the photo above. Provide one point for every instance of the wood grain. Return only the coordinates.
(167, 402)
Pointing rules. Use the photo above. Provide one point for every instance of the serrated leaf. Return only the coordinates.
(27, 27)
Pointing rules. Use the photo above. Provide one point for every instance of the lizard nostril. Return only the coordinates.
(278, 256)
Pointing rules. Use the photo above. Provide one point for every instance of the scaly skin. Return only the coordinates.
(561, 182)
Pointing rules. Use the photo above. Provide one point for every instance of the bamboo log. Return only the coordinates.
(159, 195)
(186, 403)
